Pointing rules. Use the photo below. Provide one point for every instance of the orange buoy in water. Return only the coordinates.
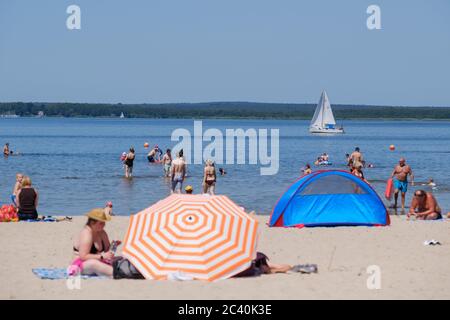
(392, 147)
(146, 145)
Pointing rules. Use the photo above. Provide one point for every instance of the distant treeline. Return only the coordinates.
(248, 110)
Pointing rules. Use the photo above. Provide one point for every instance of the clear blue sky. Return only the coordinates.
(226, 50)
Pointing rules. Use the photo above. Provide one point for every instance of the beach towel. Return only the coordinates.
(60, 273)
(48, 219)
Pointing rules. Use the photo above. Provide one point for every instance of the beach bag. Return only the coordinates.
(8, 213)
(124, 269)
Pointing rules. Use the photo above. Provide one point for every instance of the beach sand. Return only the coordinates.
(408, 268)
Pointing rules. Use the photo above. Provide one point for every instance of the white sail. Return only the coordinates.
(318, 115)
(328, 118)
(323, 119)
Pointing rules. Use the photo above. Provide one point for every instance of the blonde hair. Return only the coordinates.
(26, 181)
(19, 175)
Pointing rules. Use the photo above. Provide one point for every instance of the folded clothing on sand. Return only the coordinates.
(60, 273)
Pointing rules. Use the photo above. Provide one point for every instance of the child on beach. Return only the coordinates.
(17, 188)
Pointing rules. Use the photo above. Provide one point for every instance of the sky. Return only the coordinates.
(148, 51)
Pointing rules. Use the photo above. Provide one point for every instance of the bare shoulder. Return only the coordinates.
(85, 233)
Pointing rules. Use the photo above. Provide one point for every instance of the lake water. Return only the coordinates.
(74, 163)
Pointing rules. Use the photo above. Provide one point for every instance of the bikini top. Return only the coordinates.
(93, 249)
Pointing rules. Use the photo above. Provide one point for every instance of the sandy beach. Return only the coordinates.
(409, 270)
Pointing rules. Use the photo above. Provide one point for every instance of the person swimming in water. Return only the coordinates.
(431, 183)
(307, 169)
(154, 155)
(6, 151)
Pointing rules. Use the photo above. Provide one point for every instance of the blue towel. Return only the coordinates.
(60, 273)
(46, 219)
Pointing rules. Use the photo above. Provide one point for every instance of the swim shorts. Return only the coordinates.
(402, 186)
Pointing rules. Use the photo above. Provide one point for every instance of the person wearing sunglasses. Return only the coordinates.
(400, 179)
(424, 206)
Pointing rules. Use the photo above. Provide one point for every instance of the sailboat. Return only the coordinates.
(323, 119)
(122, 116)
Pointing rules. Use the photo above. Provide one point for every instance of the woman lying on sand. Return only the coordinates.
(261, 265)
(92, 247)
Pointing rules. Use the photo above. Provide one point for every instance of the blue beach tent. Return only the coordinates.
(329, 198)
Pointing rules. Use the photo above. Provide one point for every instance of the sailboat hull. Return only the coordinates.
(327, 131)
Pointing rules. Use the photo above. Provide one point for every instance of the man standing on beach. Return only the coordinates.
(400, 179)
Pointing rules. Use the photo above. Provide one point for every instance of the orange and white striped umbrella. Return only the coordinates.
(206, 237)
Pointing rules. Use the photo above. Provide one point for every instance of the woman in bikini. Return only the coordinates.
(209, 177)
(91, 247)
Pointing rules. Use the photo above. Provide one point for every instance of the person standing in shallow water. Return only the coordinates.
(178, 172)
(209, 177)
(167, 162)
(129, 162)
(356, 158)
(400, 179)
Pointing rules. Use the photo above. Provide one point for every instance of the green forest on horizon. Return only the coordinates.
(232, 110)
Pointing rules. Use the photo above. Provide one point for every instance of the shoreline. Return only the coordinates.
(409, 270)
(228, 118)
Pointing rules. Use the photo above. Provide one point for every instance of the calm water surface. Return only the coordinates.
(75, 163)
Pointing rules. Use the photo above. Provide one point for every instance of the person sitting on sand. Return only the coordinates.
(27, 201)
(209, 177)
(17, 187)
(424, 206)
(92, 247)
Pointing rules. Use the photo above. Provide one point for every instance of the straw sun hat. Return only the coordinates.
(99, 215)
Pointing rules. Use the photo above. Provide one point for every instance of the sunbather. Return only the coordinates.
(92, 247)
